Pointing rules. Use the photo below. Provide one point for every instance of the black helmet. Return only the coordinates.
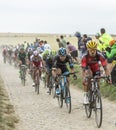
(62, 52)
(77, 34)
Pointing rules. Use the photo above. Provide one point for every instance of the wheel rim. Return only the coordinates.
(98, 111)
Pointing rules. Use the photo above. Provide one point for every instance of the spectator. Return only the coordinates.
(63, 42)
(105, 38)
(79, 43)
(59, 43)
(73, 51)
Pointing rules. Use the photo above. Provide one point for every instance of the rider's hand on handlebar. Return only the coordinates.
(74, 77)
(109, 79)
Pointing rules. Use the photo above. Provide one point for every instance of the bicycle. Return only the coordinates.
(37, 79)
(64, 90)
(95, 101)
(23, 69)
(51, 84)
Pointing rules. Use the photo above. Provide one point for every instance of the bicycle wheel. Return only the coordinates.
(53, 91)
(98, 109)
(37, 88)
(88, 108)
(60, 97)
(44, 79)
(37, 84)
(4, 59)
(23, 77)
(68, 99)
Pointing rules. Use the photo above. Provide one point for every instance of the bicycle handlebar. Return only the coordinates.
(68, 73)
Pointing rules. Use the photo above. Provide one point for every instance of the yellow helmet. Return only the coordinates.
(91, 45)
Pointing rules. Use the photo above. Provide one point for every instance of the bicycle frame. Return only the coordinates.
(64, 92)
(63, 81)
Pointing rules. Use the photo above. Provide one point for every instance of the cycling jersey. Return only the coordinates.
(62, 64)
(37, 61)
(92, 62)
(4, 51)
(22, 57)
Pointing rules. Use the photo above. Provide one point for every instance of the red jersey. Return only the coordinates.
(37, 62)
(92, 62)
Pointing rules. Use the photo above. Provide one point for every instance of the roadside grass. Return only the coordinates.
(7, 115)
(107, 90)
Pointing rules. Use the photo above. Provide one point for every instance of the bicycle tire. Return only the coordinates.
(60, 97)
(53, 91)
(37, 84)
(5, 60)
(50, 85)
(68, 99)
(44, 80)
(98, 109)
(37, 89)
(23, 76)
(88, 109)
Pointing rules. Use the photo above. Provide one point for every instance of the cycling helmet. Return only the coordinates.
(47, 47)
(62, 52)
(91, 45)
(39, 50)
(77, 34)
(112, 42)
(30, 50)
(97, 35)
(35, 53)
(47, 52)
(22, 48)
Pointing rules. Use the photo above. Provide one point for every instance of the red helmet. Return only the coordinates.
(112, 42)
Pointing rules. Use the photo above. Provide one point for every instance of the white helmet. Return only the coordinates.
(47, 47)
(39, 50)
(35, 53)
(30, 50)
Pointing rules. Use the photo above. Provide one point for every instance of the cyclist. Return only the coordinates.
(37, 63)
(4, 52)
(60, 66)
(90, 65)
(22, 57)
(29, 54)
(48, 57)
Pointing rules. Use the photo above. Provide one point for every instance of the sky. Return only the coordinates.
(57, 16)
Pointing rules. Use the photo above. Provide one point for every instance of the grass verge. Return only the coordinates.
(7, 115)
